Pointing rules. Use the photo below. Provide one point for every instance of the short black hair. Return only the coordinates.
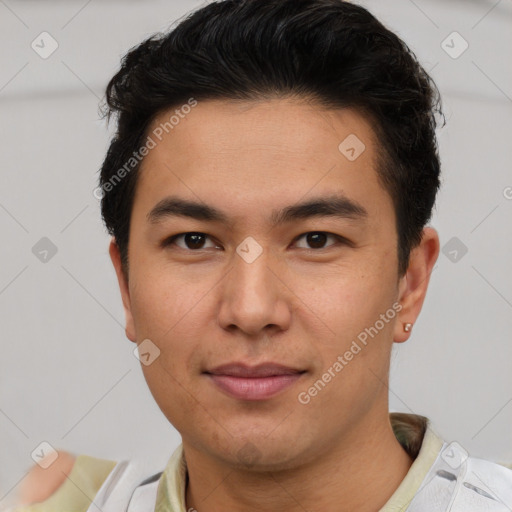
(331, 51)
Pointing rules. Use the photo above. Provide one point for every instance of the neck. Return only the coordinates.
(360, 473)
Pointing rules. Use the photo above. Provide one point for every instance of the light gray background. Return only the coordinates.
(68, 374)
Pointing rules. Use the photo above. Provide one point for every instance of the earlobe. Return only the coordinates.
(115, 256)
(413, 285)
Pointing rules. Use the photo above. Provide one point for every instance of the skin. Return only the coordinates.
(40, 484)
(296, 304)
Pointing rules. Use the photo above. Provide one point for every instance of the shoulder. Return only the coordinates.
(490, 477)
(461, 483)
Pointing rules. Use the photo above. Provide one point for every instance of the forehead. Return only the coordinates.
(302, 128)
(261, 151)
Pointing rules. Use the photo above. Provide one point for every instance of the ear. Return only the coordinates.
(115, 256)
(413, 285)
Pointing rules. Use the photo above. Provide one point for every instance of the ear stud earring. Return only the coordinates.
(407, 327)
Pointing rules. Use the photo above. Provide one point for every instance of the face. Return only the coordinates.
(283, 265)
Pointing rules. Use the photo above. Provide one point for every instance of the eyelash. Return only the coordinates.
(340, 240)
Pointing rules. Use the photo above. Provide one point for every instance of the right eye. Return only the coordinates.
(193, 241)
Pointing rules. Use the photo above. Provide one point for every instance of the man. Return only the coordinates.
(268, 189)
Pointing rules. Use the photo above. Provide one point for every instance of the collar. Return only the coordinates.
(413, 432)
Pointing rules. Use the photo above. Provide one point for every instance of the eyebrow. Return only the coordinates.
(330, 206)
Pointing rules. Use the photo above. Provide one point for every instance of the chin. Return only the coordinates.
(263, 455)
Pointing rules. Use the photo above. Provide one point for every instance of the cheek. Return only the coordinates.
(172, 306)
(359, 307)
(171, 321)
(172, 392)
(355, 362)
(162, 302)
(350, 299)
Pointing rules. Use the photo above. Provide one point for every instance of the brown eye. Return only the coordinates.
(317, 239)
(192, 241)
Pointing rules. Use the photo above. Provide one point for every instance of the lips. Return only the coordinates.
(259, 382)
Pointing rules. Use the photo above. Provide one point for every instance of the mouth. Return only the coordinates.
(259, 382)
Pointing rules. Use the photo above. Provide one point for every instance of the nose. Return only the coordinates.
(254, 298)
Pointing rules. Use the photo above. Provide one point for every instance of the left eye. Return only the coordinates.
(317, 239)
(196, 241)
